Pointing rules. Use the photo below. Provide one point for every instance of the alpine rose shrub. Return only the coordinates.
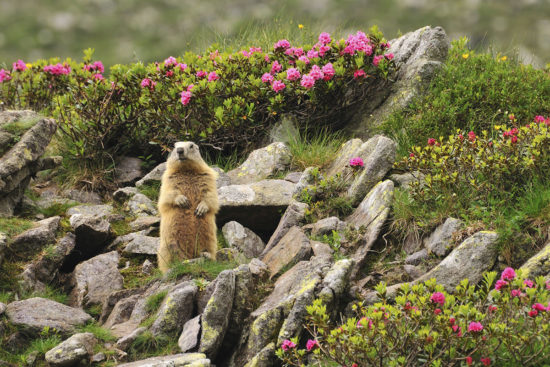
(425, 326)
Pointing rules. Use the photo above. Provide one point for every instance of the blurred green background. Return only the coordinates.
(150, 30)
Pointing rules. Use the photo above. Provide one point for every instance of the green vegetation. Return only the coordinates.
(151, 190)
(103, 335)
(13, 226)
(314, 147)
(203, 268)
(153, 302)
(147, 345)
(35, 350)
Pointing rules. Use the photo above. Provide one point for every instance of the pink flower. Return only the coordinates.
(438, 297)
(500, 283)
(486, 361)
(472, 137)
(212, 76)
(292, 74)
(431, 141)
(281, 44)
(469, 361)
(316, 72)
(312, 54)
(146, 82)
(539, 307)
(452, 320)
(508, 273)
(293, 51)
(276, 67)
(267, 78)
(278, 86)
(57, 69)
(328, 71)
(304, 59)
(4, 75)
(356, 162)
(539, 118)
(376, 60)
(307, 81)
(170, 73)
(182, 66)
(170, 61)
(311, 344)
(528, 283)
(201, 74)
(323, 50)
(437, 311)
(492, 308)
(384, 46)
(359, 74)
(190, 86)
(287, 344)
(364, 321)
(516, 293)
(533, 313)
(98, 76)
(97, 66)
(324, 38)
(19, 65)
(389, 56)
(475, 326)
(185, 97)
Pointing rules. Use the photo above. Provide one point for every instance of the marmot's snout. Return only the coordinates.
(180, 153)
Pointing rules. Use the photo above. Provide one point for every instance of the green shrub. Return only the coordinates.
(473, 91)
(507, 325)
(203, 268)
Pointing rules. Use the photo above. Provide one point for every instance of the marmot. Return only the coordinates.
(188, 203)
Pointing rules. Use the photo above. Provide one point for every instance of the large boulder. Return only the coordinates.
(439, 242)
(22, 160)
(128, 170)
(176, 309)
(538, 264)
(96, 279)
(38, 313)
(417, 55)
(78, 348)
(256, 206)
(261, 164)
(292, 248)
(34, 239)
(293, 216)
(243, 239)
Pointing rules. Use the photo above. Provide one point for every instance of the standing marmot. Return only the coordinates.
(188, 204)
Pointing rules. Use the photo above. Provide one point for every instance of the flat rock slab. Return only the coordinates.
(35, 238)
(293, 216)
(190, 336)
(70, 352)
(261, 164)
(96, 279)
(176, 360)
(145, 222)
(291, 249)
(138, 243)
(38, 313)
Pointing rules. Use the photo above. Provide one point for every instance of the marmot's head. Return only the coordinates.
(185, 153)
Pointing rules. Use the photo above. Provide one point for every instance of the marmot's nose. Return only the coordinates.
(179, 151)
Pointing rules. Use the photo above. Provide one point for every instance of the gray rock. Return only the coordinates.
(2, 308)
(127, 340)
(3, 245)
(371, 214)
(42, 271)
(122, 311)
(321, 249)
(70, 352)
(138, 243)
(176, 309)
(307, 179)
(258, 268)
(190, 336)
(413, 271)
(336, 282)
(439, 242)
(418, 55)
(145, 222)
(223, 179)
(404, 180)
(128, 170)
(92, 235)
(231, 254)
(35, 238)
(243, 239)
(113, 298)
(215, 317)
(340, 164)
(293, 216)
(326, 226)
(103, 211)
(81, 196)
(417, 258)
(37, 313)
(23, 161)
(123, 194)
(96, 279)
(261, 164)
(141, 206)
(538, 264)
(293, 177)
(147, 267)
(256, 206)
(412, 242)
(176, 360)
(378, 155)
(154, 176)
(98, 357)
(292, 248)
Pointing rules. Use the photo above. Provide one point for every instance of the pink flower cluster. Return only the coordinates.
(148, 83)
(438, 297)
(201, 74)
(358, 42)
(287, 344)
(251, 51)
(4, 75)
(292, 74)
(96, 66)
(475, 327)
(170, 61)
(186, 95)
(57, 69)
(276, 67)
(541, 119)
(212, 76)
(512, 133)
(19, 65)
(311, 344)
(278, 86)
(281, 44)
(356, 162)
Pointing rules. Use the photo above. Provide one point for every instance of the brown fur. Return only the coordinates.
(188, 204)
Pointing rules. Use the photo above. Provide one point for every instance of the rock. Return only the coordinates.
(140, 205)
(43, 270)
(413, 271)
(153, 177)
(125, 342)
(326, 226)
(176, 360)
(70, 352)
(378, 154)
(256, 206)
(138, 243)
(81, 196)
(417, 258)
(37, 313)
(538, 264)
(215, 317)
(3, 245)
(34, 239)
(113, 298)
(123, 194)
(190, 336)
(412, 243)
(439, 242)
(23, 161)
(103, 211)
(308, 178)
(340, 164)
(293, 177)
(176, 309)
(404, 180)
(321, 249)
(371, 214)
(335, 283)
(265, 358)
(261, 164)
(258, 268)
(122, 311)
(2, 308)
(243, 239)
(98, 357)
(223, 179)
(95, 279)
(92, 234)
(292, 248)
(231, 254)
(128, 170)
(147, 267)
(293, 216)
(145, 222)
(417, 55)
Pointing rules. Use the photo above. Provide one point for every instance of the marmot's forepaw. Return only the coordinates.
(181, 200)
(201, 210)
